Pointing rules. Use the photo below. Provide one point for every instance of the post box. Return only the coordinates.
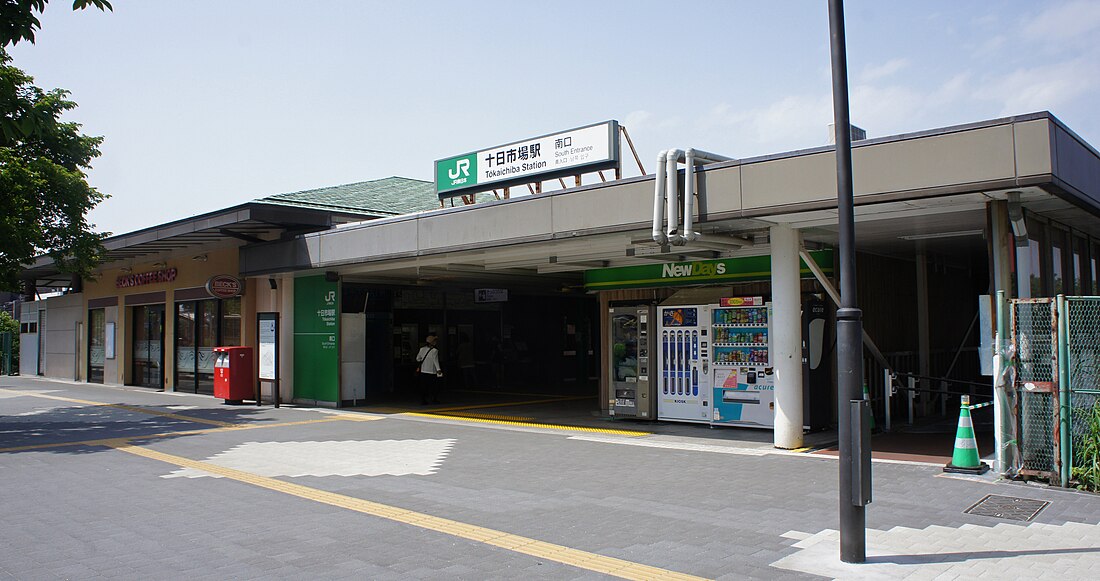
(234, 377)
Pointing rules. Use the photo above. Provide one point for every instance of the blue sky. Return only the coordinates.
(208, 104)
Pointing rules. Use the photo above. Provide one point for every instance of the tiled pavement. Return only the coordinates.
(580, 503)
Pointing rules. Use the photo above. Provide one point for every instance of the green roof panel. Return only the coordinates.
(390, 196)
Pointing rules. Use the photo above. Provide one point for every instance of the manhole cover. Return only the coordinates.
(1007, 507)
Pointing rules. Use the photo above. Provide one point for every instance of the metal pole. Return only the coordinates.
(886, 383)
(1000, 390)
(853, 518)
(1064, 441)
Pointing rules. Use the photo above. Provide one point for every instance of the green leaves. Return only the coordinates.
(19, 18)
(46, 196)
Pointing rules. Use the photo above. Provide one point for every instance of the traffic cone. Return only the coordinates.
(965, 459)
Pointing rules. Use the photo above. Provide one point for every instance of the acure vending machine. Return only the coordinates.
(743, 383)
(631, 351)
(683, 389)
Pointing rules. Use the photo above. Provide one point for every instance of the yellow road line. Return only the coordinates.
(519, 544)
(529, 424)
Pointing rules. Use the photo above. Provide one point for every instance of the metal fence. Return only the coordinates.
(7, 357)
(1035, 338)
(1083, 354)
(1054, 348)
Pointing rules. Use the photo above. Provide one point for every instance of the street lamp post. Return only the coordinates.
(854, 468)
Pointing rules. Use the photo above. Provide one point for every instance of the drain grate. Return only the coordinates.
(1007, 507)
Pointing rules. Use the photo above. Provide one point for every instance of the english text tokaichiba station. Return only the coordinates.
(701, 292)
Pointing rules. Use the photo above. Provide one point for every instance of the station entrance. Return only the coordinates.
(490, 341)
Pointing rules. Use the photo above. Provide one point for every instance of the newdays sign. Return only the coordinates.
(696, 272)
(585, 149)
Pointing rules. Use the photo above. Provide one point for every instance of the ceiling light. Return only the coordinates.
(937, 235)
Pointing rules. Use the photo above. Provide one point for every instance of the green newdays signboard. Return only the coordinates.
(316, 339)
(697, 272)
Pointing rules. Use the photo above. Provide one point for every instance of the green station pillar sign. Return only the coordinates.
(316, 339)
(744, 269)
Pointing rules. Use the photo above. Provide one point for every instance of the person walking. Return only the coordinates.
(429, 373)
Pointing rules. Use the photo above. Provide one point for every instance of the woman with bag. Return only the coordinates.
(428, 371)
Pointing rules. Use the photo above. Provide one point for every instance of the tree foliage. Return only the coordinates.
(19, 18)
(44, 192)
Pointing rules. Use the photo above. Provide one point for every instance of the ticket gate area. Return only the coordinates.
(631, 349)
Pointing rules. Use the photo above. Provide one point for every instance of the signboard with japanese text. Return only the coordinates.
(585, 149)
(316, 333)
(491, 295)
(268, 334)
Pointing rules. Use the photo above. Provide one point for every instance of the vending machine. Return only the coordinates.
(684, 364)
(743, 383)
(631, 348)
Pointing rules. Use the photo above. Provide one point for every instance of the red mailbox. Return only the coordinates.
(234, 379)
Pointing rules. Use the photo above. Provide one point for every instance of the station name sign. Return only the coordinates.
(585, 149)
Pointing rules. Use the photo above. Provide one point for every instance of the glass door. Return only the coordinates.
(207, 336)
(201, 326)
(97, 345)
(148, 343)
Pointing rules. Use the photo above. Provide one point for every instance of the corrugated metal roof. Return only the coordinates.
(385, 197)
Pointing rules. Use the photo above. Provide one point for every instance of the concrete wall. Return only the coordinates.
(61, 358)
(28, 342)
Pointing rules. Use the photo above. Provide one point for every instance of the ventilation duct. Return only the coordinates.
(667, 204)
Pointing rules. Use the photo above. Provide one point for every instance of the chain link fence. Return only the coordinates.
(1083, 324)
(1034, 336)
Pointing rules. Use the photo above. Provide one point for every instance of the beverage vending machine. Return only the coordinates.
(683, 361)
(743, 383)
(631, 338)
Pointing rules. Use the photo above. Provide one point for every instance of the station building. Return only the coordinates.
(521, 290)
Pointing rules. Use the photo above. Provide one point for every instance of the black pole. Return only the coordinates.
(853, 520)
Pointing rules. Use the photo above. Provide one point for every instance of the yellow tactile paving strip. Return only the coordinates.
(528, 546)
(487, 416)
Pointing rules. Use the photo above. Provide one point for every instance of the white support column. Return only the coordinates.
(286, 338)
(786, 336)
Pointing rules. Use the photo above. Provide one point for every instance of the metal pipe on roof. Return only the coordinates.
(659, 200)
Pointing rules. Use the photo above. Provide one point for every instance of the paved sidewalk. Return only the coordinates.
(126, 483)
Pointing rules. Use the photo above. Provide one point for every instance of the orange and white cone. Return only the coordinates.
(965, 460)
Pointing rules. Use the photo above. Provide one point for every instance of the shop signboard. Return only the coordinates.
(316, 339)
(584, 149)
(491, 295)
(696, 272)
(224, 286)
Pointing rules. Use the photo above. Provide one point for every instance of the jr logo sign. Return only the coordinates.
(461, 169)
(457, 172)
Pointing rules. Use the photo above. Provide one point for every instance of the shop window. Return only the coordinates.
(1081, 278)
(201, 326)
(1060, 282)
(97, 344)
